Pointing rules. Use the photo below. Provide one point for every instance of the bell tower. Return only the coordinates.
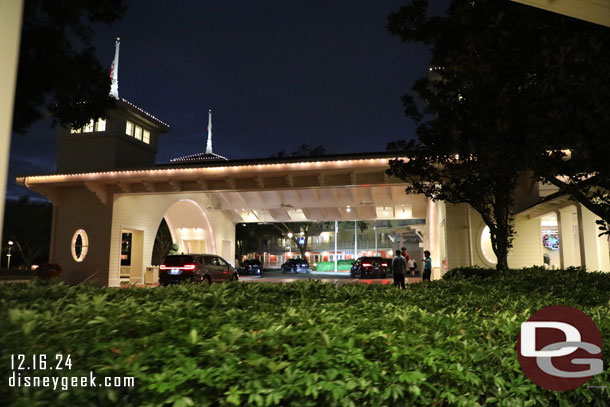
(127, 138)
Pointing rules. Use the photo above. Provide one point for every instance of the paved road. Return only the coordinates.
(329, 277)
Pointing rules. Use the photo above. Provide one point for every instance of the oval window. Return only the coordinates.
(80, 245)
(486, 247)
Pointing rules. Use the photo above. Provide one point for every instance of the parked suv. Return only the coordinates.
(195, 268)
(369, 267)
(296, 266)
(250, 266)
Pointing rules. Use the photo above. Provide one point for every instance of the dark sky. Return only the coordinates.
(276, 74)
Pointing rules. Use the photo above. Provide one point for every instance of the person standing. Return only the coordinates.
(399, 266)
(411, 264)
(427, 266)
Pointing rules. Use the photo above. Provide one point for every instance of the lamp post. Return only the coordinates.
(375, 229)
(8, 255)
(289, 244)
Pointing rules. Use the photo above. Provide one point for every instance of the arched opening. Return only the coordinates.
(190, 228)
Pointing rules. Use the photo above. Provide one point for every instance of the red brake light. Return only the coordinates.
(185, 267)
(366, 264)
(384, 264)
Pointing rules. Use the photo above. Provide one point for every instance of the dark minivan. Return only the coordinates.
(195, 268)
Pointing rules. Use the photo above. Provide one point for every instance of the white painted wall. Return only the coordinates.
(144, 212)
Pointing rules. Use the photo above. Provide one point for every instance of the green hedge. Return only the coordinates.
(342, 265)
(446, 343)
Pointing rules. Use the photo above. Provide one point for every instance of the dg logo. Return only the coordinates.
(560, 348)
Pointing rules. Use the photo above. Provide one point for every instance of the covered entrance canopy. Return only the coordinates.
(315, 189)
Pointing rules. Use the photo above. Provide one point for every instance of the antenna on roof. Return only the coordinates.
(208, 148)
(114, 71)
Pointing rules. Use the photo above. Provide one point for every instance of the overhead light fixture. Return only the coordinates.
(348, 209)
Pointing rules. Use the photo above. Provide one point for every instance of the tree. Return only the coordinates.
(491, 96)
(248, 237)
(58, 69)
(577, 123)
(28, 224)
(164, 243)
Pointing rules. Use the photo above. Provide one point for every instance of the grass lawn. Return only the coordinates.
(447, 343)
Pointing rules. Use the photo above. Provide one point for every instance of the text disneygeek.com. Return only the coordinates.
(23, 365)
(65, 383)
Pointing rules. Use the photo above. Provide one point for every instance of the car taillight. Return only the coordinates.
(185, 267)
(384, 264)
(366, 264)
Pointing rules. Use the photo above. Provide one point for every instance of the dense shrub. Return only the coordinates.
(460, 273)
(446, 343)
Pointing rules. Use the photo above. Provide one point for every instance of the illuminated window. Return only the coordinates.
(88, 127)
(486, 247)
(74, 131)
(100, 125)
(129, 129)
(146, 137)
(138, 133)
(80, 245)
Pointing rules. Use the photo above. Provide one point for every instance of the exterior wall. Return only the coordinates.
(144, 212)
(78, 208)
(85, 152)
(527, 246)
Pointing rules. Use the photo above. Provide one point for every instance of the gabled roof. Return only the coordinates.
(201, 157)
(130, 106)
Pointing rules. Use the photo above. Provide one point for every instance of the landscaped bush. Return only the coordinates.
(460, 273)
(446, 343)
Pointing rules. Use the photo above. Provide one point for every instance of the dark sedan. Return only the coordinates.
(250, 267)
(296, 266)
(366, 267)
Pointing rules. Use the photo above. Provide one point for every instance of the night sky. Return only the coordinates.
(276, 74)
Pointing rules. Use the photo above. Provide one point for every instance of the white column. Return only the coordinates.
(355, 240)
(10, 34)
(375, 229)
(336, 233)
(433, 238)
(594, 250)
(567, 247)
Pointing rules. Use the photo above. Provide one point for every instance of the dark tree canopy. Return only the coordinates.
(28, 224)
(507, 84)
(59, 72)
